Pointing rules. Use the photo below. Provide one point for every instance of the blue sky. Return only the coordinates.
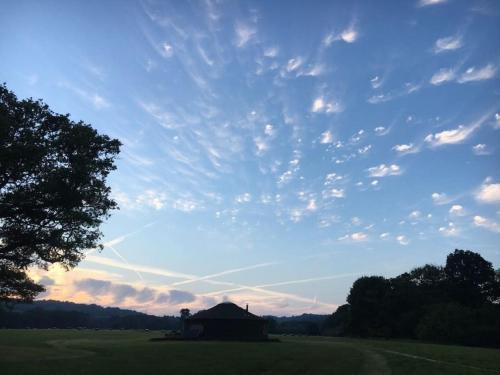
(273, 151)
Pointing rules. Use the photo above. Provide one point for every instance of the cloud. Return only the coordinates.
(271, 52)
(312, 206)
(359, 236)
(261, 146)
(402, 240)
(326, 137)
(98, 101)
(243, 198)
(424, 3)
(486, 223)
(185, 205)
(383, 170)
(320, 105)
(440, 198)
(442, 76)
(175, 297)
(315, 70)
(333, 193)
(46, 281)
(453, 136)
(456, 210)
(480, 74)
(481, 149)
(244, 34)
(450, 231)
(269, 130)
(376, 82)
(97, 288)
(415, 215)
(151, 198)
(166, 50)
(294, 64)
(449, 43)
(381, 130)
(384, 235)
(348, 35)
(488, 193)
(403, 149)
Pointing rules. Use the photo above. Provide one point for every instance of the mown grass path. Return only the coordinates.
(131, 352)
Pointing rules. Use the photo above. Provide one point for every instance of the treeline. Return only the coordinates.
(305, 324)
(57, 314)
(457, 303)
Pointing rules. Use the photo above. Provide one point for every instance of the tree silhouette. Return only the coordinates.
(471, 278)
(53, 192)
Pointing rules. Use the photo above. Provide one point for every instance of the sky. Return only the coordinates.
(273, 152)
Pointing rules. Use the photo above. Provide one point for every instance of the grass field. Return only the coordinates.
(131, 352)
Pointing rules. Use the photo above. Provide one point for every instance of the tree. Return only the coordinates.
(368, 299)
(53, 192)
(471, 278)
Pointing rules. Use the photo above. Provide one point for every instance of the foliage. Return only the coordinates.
(456, 303)
(53, 192)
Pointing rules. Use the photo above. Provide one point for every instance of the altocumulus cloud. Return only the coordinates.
(120, 292)
(175, 297)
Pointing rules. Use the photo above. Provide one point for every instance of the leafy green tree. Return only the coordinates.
(368, 300)
(471, 278)
(53, 192)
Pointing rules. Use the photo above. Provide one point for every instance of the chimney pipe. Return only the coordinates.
(247, 307)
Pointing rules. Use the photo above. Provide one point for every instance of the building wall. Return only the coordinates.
(235, 329)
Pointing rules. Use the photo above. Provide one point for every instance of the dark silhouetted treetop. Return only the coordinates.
(471, 278)
(53, 192)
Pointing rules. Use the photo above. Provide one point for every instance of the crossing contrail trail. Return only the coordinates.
(174, 274)
(227, 272)
(117, 240)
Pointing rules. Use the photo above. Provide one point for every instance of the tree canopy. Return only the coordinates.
(53, 192)
(457, 303)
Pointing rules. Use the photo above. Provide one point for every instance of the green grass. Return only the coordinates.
(131, 352)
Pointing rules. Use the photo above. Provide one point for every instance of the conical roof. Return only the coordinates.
(225, 310)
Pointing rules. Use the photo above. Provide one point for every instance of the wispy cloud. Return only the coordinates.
(442, 76)
(481, 149)
(441, 198)
(384, 170)
(486, 223)
(244, 33)
(425, 3)
(404, 149)
(450, 230)
(348, 35)
(449, 43)
(321, 105)
(474, 74)
(457, 135)
(403, 240)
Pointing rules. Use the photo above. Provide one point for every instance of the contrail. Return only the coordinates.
(120, 239)
(227, 272)
(125, 260)
(300, 281)
(168, 273)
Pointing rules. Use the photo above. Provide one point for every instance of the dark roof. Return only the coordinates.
(225, 310)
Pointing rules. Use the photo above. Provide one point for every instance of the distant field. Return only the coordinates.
(131, 352)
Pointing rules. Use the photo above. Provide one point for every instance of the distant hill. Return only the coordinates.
(92, 309)
(61, 314)
(305, 324)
